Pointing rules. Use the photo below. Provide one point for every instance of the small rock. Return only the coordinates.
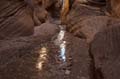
(67, 72)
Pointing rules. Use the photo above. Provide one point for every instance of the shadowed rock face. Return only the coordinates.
(105, 49)
(97, 1)
(15, 19)
(18, 17)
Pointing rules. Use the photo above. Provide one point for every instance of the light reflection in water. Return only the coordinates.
(63, 50)
(61, 43)
(42, 57)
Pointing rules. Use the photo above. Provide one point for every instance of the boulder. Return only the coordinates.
(46, 29)
(105, 51)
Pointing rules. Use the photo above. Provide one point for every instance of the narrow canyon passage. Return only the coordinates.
(36, 44)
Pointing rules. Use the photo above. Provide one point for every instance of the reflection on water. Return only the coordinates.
(61, 43)
(42, 57)
(63, 50)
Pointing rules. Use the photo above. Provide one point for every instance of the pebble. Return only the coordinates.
(67, 72)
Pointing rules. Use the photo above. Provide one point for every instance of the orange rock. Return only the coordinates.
(114, 7)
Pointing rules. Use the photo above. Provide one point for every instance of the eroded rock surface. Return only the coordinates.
(19, 17)
(105, 51)
(15, 19)
(85, 21)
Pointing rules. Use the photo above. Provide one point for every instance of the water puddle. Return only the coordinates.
(61, 43)
(42, 57)
(63, 57)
